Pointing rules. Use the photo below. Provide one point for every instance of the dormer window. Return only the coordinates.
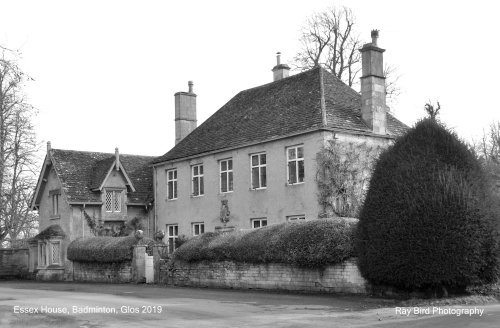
(113, 201)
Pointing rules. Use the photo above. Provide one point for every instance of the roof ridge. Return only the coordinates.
(98, 152)
(280, 80)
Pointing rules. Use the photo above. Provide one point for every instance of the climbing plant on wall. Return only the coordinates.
(343, 173)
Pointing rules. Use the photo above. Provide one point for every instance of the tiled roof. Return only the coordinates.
(287, 106)
(82, 171)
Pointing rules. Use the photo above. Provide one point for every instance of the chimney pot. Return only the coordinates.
(49, 146)
(278, 59)
(374, 36)
(190, 85)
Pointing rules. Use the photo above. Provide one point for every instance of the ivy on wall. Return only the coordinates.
(343, 174)
(98, 228)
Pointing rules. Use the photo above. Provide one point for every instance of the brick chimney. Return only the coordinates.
(373, 108)
(185, 113)
(280, 71)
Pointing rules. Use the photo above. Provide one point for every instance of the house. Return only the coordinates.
(79, 192)
(253, 162)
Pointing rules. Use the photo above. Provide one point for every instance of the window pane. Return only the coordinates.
(255, 177)
(118, 203)
(262, 159)
(175, 174)
(175, 189)
(196, 229)
(202, 228)
(196, 190)
(255, 160)
(263, 177)
(264, 223)
(230, 164)
(292, 175)
(256, 223)
(230, 181)
(301, 171)
(223, 166)
(55, 252)
(300, 152)
(201, 169)
(202, 188)
(195, 170)
(176, 230)
(223, 182)
(170, 230)
(170, 190)
(109, 199)
(291, 153)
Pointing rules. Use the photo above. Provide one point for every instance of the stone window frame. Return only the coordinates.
(172, 237)
(45, 253)
(197, 180)
(262, 222)
(171, 175)
(229, 173)
(115, 202)
(201, 228)
(295, 218)
(260, 167)
(55, 197)
(295, 161)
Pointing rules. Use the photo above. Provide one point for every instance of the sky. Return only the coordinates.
(105, 72)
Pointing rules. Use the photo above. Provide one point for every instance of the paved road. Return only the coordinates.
(150, 306)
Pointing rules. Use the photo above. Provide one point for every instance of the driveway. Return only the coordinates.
(35, 304)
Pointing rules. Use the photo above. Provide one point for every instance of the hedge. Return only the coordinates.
(428, 219)
(104, 249)
(306, 244)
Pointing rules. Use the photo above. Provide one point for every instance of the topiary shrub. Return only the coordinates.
(426, 221)
(306, 244)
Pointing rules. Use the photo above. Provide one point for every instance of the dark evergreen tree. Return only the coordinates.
(427, 220)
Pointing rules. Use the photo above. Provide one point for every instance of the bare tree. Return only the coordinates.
(18, 147)
(488, 151)
(329, 39)
(431, 111)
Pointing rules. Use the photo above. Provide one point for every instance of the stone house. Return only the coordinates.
(77, 190)
(253, 162)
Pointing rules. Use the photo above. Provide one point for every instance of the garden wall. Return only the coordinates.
(341, 278)
(14, 263)
(103, 272)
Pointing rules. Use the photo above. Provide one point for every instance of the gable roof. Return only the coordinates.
(81, 172)
(301, 103)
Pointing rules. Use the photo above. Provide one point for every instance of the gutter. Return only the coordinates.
(316, 129)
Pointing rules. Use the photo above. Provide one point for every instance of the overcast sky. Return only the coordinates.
(105, 72)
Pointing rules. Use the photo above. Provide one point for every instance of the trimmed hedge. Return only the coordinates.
(306, 244)
(427, 220)
(105, 249)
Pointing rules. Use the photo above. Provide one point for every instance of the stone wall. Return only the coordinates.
(103, 272)
(14, 263)
(341, 278)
